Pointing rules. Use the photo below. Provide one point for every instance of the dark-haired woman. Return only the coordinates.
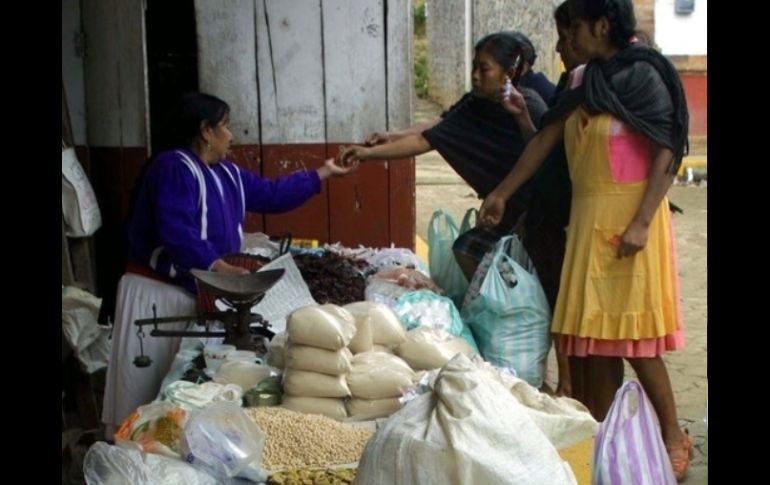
(624, 125)
(477, 136)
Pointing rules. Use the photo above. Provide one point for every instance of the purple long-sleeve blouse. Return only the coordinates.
(188, 214)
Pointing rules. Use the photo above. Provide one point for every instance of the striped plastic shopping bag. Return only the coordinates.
(628, 448)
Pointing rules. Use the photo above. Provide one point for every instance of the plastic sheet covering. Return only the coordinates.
(113, 465)
(89, 341)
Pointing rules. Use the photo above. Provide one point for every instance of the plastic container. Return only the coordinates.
(216, 354)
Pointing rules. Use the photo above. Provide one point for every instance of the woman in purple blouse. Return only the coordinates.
(189, 212)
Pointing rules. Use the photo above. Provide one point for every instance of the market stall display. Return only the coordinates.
(334, 369)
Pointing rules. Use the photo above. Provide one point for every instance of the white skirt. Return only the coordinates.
(128, 386)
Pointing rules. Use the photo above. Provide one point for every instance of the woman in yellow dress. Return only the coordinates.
(624, 125)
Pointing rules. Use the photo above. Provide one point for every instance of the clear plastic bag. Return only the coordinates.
(395, 257)
(222, 440)
(408, 278)
(383, 291)
(425, 308)
(154, 428)
(389, 283)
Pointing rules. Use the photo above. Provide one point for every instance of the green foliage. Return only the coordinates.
(421, 73)
(419, 46)
(418, 12)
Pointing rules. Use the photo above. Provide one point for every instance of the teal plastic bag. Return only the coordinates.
(466, 225)
(508, 313)
(426, 308)
(444, 270)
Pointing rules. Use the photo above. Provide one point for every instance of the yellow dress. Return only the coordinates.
(625, 307)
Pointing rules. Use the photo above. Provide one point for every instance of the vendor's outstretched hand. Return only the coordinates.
(333, 168)
(492, 210)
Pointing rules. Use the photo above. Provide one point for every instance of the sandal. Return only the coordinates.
(680, 455)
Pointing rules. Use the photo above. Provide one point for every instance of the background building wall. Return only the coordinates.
(302, 78)
(678, 34)
(447, 28)
(683, 39)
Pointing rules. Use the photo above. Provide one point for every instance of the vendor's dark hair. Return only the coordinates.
(183, 123)
(505, 48)
(620, 14)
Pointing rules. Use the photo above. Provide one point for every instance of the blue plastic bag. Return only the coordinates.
(508, 313)
(444, 270)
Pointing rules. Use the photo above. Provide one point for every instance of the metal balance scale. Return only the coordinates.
(239, 293)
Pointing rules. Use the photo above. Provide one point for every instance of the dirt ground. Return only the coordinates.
(439, 187)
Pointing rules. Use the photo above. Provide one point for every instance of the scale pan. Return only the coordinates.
(238, 287)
